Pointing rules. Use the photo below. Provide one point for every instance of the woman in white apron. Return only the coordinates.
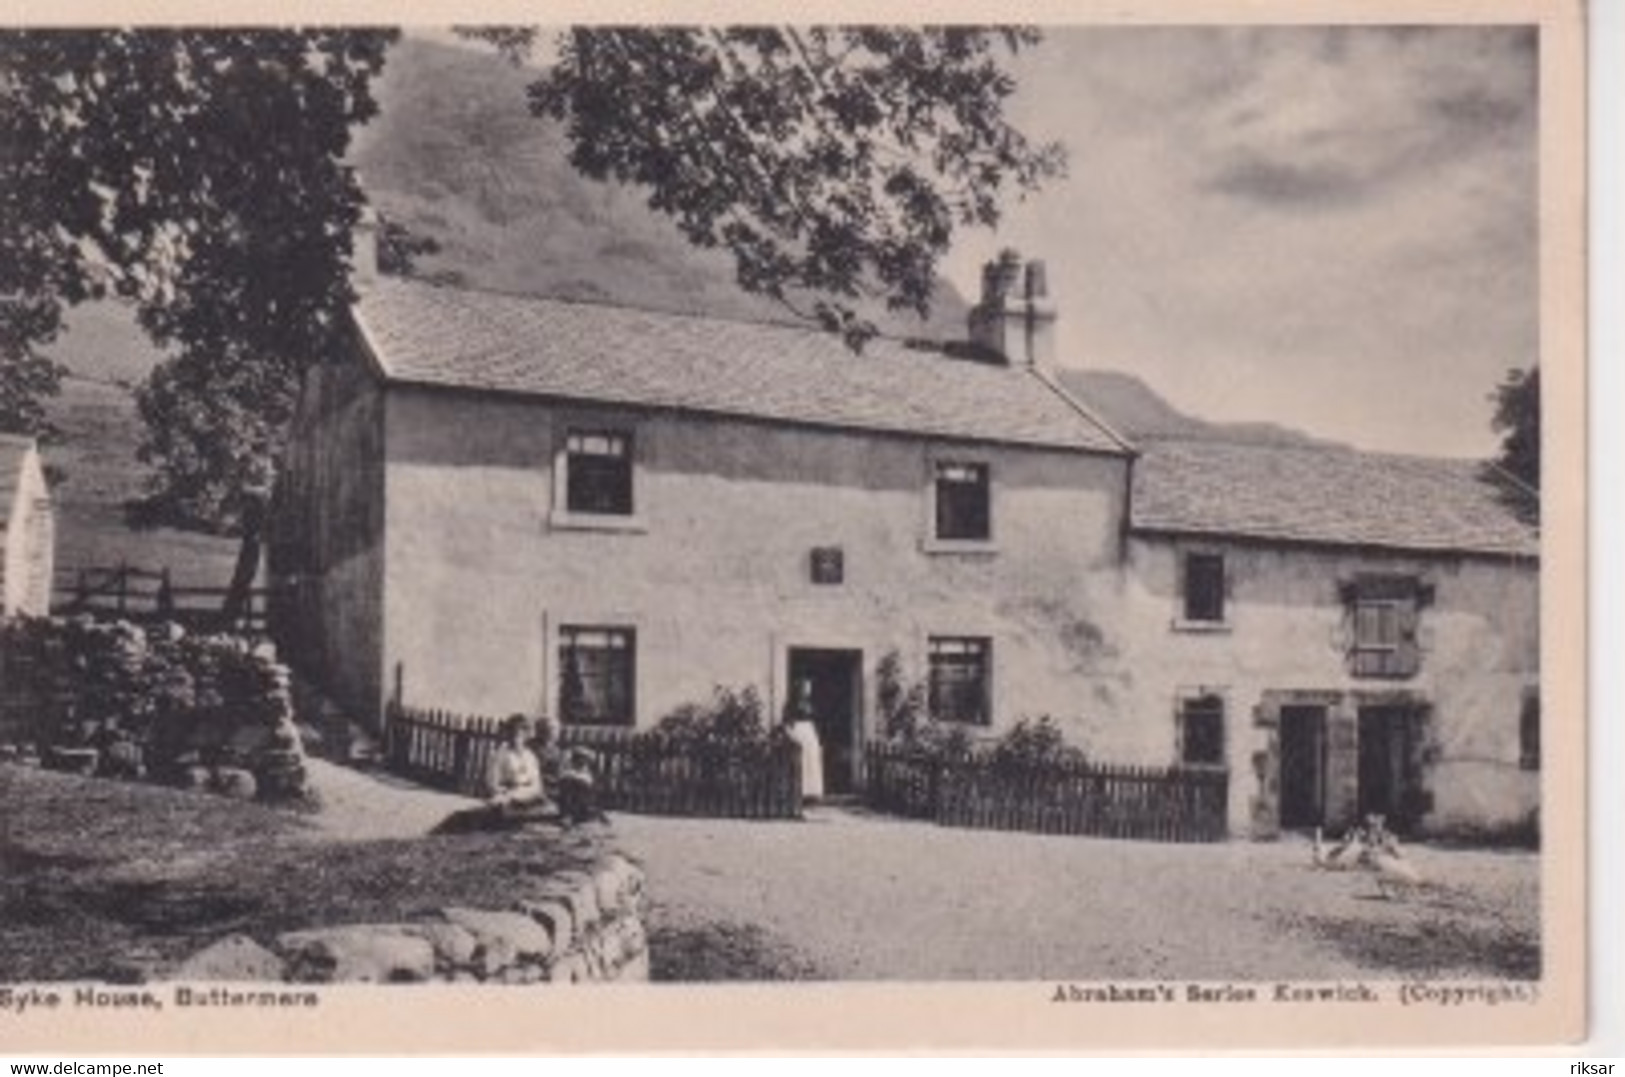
(804, 732)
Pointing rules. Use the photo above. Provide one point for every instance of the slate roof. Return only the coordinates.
(1325, 495)
(428, 335)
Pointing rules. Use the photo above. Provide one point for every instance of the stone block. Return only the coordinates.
(554, 917)
(234, 782)
(358, 953)
(528, 938)
(235, 957)
(570, 970)
(635, 970)
(454, 946)
(137, 965)
(579, 892)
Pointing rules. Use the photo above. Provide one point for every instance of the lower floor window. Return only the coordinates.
(597, 674)
(960, 679)
(1201, 731)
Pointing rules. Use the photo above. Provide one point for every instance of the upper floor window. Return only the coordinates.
(964, 499)
(1201, 731)
(598, 473)
(597, 675)
(1385, 626)
(960, 679)
(1204, 588)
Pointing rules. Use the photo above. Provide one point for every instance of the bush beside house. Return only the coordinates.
(131, 701)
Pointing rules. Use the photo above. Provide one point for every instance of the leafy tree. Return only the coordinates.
(1517, 420)
(200, 175)
(834, 164)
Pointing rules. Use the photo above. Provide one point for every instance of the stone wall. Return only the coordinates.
(575, 927)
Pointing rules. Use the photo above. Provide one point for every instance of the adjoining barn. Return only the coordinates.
(1351, 633)
(27, 529)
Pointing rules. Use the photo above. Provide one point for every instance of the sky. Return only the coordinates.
(1333, 228)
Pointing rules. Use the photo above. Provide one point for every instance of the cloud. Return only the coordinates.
(1285, 183)
(1331, 227)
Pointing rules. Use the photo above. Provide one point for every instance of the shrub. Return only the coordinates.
(1034, 743)
(165, 697)
(901, 704)
(729, 715)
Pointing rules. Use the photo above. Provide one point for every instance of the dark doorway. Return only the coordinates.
(834, 696)
(1303, 767)
(1389, 778)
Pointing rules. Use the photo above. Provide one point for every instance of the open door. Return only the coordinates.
(834, 690)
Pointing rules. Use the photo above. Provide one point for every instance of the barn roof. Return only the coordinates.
(1330, 495)
(428, 335)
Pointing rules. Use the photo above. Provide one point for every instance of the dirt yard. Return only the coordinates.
(851, 897)
(89, 869)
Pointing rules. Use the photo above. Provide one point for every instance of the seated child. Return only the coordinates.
(578, 801)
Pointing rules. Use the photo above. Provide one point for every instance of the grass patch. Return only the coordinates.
(718, 951)
(94, 870)
(1435, 946)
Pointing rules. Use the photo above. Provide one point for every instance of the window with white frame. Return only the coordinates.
(964, 501)
(597, 675)
(598, 470)
(960, 681)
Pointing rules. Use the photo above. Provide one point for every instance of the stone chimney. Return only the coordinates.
(364, 250)
(1015, 317)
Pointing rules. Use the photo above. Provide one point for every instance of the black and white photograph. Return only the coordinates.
(715, 514)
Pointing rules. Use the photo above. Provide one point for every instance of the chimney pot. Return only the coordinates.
(1015, 318)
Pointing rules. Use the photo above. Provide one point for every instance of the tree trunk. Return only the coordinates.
(240, 592)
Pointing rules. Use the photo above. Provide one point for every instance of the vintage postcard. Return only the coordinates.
(553, 532)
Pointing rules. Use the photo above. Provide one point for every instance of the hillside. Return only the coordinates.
(1138, 412)
(456, 155)
(107, 355)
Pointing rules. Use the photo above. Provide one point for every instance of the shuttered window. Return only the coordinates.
(1385, 625)
(597, 675)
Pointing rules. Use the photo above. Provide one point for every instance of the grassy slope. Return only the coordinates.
(106, 355)
(456, 155)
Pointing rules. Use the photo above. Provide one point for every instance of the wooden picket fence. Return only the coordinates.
(1175, 804)
(640, 772)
